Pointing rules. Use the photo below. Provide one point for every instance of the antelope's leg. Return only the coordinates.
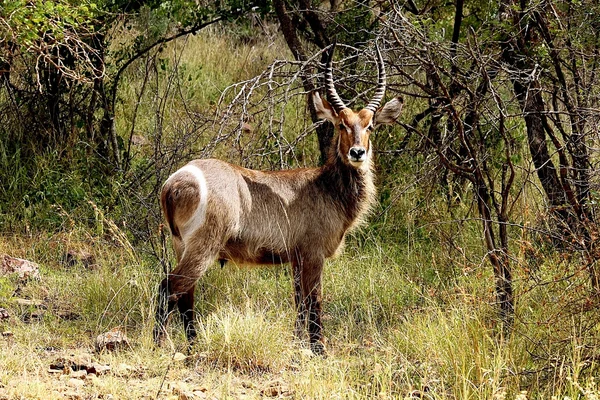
(164, 308)
(300, 325)
(185, 304)
(178, 288)
(311, 291)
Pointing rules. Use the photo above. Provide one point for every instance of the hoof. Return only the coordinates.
(158, 335)
(318, 349)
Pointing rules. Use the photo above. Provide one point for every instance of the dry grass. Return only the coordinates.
(386, 338)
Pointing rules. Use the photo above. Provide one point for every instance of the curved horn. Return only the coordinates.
(378, 96)
(334, 98)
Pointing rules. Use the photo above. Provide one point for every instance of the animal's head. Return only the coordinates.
(354, 128)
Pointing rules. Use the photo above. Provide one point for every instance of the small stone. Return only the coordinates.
(7, 334)
(24, 268)
(80, 360)
(68, 315)
(58, 365)
(75, 383)
(71, 395)
(81, 374)
(112, 340)
(30, 303)
(182, 391)
(85, 258)
(307, 353)
(4, 315)
(139, 140)
(247, 128)
(179, 357)
(275, 389)
(98, 369)
(123, 370)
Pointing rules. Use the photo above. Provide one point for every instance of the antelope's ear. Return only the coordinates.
(389, 113)
(324, 109)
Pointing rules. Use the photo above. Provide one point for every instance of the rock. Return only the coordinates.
(7, 334)
(179, 357)
(30, 303)
(68, 315)
(112, 340)
(58, 367)
(85, 258)
(75, 383)
(70, 395)
(276, 389)
(33, 309)
(182, 391)
(4, 315)
(247, 128)
(125, 370)
(98, 369)
(139, 140)
(78, 366)
(24, 268)
(81, 374)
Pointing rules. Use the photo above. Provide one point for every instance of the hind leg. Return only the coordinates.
(185, 304)
(178, 289)
(164, 308)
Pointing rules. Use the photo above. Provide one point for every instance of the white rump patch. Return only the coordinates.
(200, 214)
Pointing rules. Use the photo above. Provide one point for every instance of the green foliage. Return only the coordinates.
(27, 22)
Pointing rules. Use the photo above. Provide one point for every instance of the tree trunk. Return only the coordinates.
(288, 28)
(497, 255)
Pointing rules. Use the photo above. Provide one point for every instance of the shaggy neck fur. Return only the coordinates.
(351, 188)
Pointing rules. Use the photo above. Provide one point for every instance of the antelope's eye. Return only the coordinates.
(370, 128)
(342, 127)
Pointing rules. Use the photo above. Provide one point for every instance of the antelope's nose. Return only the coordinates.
(357, 154)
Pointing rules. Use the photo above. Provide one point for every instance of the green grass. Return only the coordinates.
(387, 335)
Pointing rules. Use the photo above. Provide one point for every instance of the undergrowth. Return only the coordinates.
(390, 334)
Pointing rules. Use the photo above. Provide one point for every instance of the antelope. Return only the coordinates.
(220, 211)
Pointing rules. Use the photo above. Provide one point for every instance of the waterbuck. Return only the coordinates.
(220, 211)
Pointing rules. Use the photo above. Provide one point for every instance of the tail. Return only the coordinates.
(168, 206)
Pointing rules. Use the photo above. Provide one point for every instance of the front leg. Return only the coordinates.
(310, 279)
(185, 304)
(300, 325)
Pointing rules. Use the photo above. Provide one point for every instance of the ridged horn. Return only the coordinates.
(332, 96)
(381, 82)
